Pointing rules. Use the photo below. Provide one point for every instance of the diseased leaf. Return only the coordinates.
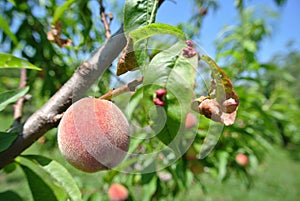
(6, 139)
(222, 102)
(10, 61)
(11, 96)
(127, 60)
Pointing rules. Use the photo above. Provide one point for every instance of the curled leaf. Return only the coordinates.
(54, 35)
(127, 61)
(222, 102)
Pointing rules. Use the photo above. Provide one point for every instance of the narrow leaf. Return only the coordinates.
(212, 137)
(59, 11)
(39, 189)
(10, 61)
(6, 139)
(58, 173)
(11, 96)
(6, 29)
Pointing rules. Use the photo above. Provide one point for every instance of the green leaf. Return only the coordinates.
(39, 189)
(172, 71)
(59, 174)
(155, 29)
(10, 195)
(59, 11)
(11, 96)
(6, 139)
(10, 61)
(139, 13)
(6, 29)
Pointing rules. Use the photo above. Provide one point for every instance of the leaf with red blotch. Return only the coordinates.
(127, 61)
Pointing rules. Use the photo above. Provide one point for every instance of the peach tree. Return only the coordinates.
(155, 133)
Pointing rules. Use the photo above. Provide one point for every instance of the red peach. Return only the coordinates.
(242, 159)
(160, 92)
(117, 192)
(93, 135)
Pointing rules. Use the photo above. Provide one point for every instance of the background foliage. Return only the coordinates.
(267, 118)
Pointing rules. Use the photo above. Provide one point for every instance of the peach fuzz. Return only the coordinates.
(93, 135)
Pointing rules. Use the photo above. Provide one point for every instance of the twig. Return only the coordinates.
(19, 105)
(104, 20)
(125, 88)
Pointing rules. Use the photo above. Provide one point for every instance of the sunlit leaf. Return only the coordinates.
(11, 96)
(6, 139)
(139, 13)
(155, 29)
(10, 61)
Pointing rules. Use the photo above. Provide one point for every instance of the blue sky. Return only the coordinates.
(285, 27)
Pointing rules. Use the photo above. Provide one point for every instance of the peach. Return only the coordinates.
(117, 192)
(93, 135)
(242, 159)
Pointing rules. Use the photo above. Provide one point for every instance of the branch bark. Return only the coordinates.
(49, 115)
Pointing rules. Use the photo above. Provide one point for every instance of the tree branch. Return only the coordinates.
(49, 115)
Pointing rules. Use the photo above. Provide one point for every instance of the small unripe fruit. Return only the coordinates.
(242, 159)
(189, 52)
(158, 102)
(189, 43)
(117, 192)
(93, 135)
(160, 93)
